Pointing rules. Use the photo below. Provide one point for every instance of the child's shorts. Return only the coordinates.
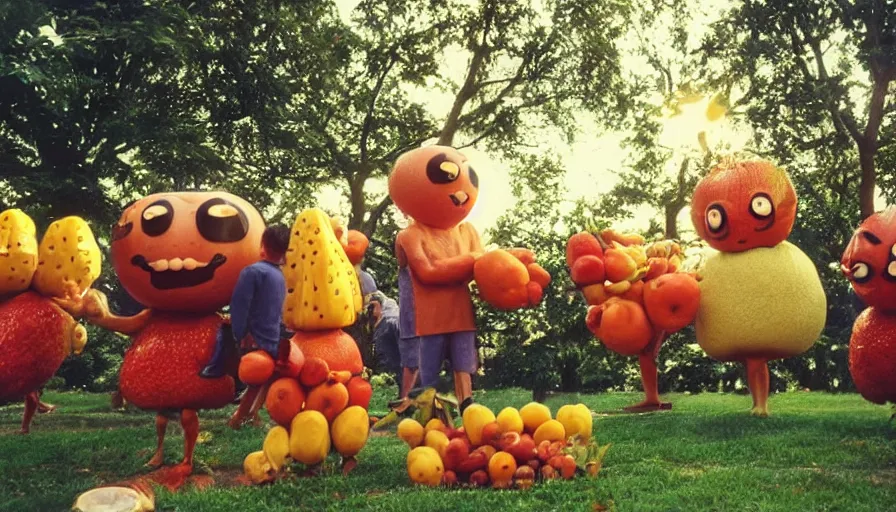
(433, 348)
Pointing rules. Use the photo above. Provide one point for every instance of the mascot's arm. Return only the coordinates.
(457, 269)
(94, 307)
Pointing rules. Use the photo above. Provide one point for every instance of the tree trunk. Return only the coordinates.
(868, 179)
(358, 204)
(671, 229)
(868, 142)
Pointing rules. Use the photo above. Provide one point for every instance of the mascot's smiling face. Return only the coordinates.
(184, 251)
(434, 185)
(869, 261)
(743, 205)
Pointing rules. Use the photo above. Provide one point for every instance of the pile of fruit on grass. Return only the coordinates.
(514, 449)
(635, 290)
(318, 399)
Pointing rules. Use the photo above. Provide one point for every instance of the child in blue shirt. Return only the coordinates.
(256, 306)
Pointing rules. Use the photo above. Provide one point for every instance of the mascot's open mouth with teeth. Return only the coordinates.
(179, 273)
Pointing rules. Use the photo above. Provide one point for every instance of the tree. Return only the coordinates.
(104, 102)
(526, 68)
(816, 75)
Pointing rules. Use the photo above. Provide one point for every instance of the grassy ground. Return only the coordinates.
(816, 452)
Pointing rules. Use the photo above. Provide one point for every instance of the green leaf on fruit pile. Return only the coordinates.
(423, 407)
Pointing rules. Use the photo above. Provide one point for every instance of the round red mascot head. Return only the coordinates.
(744, 205)
(183, 251)
(869, 261)
(434, 185)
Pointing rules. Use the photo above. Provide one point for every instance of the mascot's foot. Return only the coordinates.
(172, 477)
(647, 406)
(348, 465)
(155, 462)
(23, 431)
(43, 408)
(759, 412)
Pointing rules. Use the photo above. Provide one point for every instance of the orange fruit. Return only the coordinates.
(256, 368)
(329, 399)
(334, 346)
(314, 372)
(501, 468)
(285, 399)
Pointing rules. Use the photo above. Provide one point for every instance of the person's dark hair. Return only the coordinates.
(275, 240)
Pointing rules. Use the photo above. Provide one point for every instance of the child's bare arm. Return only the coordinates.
(452, 270)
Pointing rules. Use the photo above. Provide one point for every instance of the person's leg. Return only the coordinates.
(31, 401)
(464, 361)
(758, 382)
(159, 456)
(258, 404)
(432, 352)
(242, 412)
(409, 352)
(217, 365)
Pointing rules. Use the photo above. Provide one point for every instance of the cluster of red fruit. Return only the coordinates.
(637, 293)
(303, 384)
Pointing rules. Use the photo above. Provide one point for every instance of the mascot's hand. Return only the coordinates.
(510, 279)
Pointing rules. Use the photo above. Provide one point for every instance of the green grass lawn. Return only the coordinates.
(816, 452)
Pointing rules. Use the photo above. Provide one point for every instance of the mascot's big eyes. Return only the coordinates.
(474, 178)
(440, 170)
(716, 219)
(157, 217)
(761, 206)
(221, 221)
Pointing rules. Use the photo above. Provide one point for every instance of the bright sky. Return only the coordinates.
(590, 161)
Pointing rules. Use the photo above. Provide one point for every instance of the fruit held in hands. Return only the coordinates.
(284, 400)
(505, 282)
(582, 244)
(621, 325)
(256, 368)
(671, 301)
(411, 432)
(475, 417)
(533, 415)
(618, 265)
(587, 270)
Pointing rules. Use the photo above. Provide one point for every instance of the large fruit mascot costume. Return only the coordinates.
(440, 254)
(178, 254)
(36, 335)
(320, 402)
(761, 297)
(637, 296)
(869, 263)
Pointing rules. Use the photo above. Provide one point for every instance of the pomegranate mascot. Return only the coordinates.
(869, 263)
(761, 297)
(36, 334)
(637, 296)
